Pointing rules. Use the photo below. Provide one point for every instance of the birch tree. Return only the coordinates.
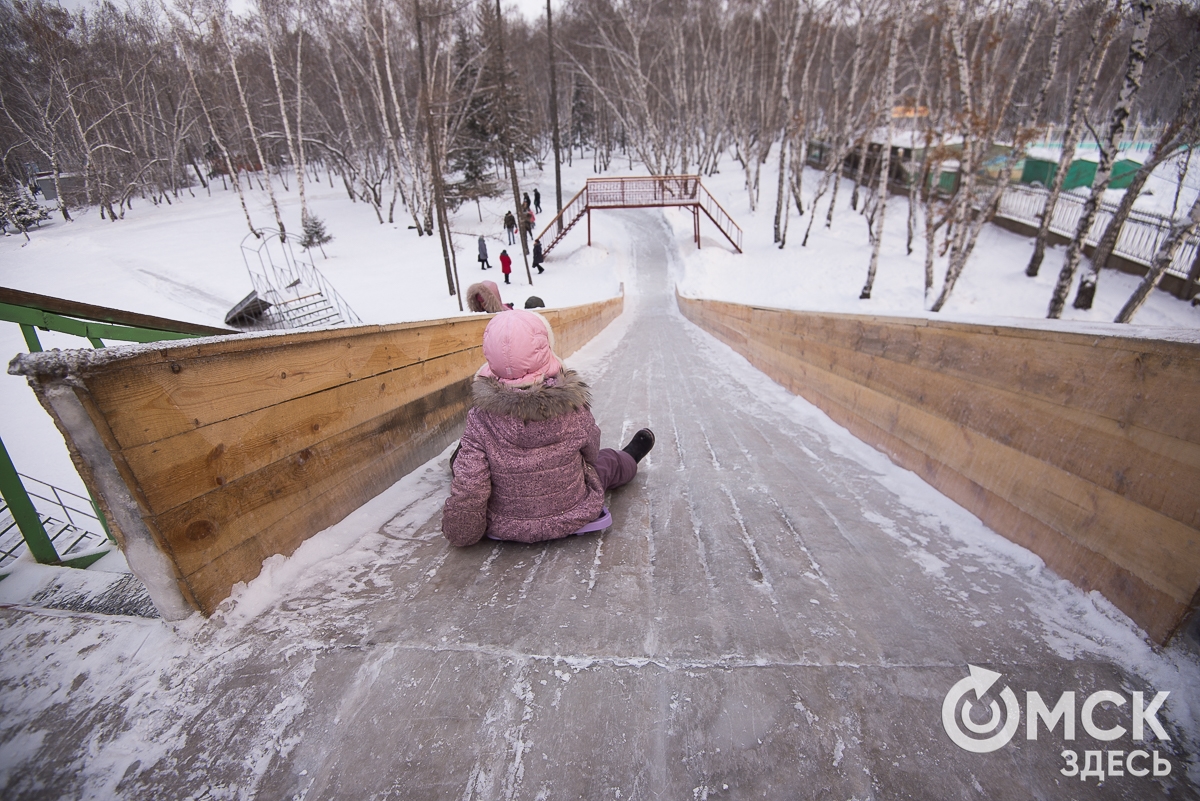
(1103, 30)
(899, 23)
(983, 119)
(1181, 229)
(272, 16)
(1183, 128)
(1143, 16)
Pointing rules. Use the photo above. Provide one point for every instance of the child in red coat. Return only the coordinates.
(505, 265)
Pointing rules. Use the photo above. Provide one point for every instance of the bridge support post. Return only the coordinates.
(589, 213)
(696, 225)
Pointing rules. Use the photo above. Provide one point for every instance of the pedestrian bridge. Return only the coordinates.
(778, 612)
(642, 192)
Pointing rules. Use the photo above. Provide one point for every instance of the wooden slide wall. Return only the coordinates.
(220, 453)
(1083, 448)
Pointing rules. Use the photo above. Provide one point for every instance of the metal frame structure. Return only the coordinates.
(1138, 241)
(641, 192)
(299, 296)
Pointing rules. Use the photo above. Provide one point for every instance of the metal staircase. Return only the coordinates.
(654, 191)
(288, 292)
(69, 520)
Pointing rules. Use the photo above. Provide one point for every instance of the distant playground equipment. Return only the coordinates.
(651, 191)
(54, 525)
(288, 292)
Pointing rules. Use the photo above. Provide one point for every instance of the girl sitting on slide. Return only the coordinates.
(529, 466)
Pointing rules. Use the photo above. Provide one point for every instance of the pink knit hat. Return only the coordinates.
(519, 348)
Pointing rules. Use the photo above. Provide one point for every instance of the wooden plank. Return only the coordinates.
(1143, 465)
(1060, 368)
(158, 400)
(188, 387)
(179, 468)
(240, 448)
(1098, 520)
(1163, 553)
(200, 531)
(327, 504)
(1154, 611)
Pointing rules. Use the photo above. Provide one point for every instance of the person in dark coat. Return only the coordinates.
(537, 200)
(483, 256)
(529, 467)
(529, 221)
(537, 256)
(525, 200)
(510, 226)
(505, 265)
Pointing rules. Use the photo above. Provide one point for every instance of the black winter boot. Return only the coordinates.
(640, 445)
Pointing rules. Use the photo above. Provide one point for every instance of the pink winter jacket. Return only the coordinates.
(527, 468)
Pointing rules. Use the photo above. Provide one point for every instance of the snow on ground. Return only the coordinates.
(184, 262)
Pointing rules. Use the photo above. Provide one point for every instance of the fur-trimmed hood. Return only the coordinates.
(556, 397)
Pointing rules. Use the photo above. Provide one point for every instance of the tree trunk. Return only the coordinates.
(297, 164)
(1169, 142)
(1143, 12)
(434, 159)
(554, 117)
(885, 166)
(414, 199)
(976, 145)
(262, 161)
(1081, 100)
(300, 116)
(212, 130)
(839, 152)
(509, 161)
(1180, 231)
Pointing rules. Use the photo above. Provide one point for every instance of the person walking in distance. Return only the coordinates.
(529, 466)
(483, 255)
(537, 200)
(505, 265)
(510, 226)
(537, 256)
(525, 202)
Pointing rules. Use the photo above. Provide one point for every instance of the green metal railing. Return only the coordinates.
(96, 324)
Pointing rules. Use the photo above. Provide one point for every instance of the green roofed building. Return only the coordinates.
(1080, 173)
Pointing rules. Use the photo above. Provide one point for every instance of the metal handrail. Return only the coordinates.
(83, 510)
(567, 213)
(273, 280)
(643, 192)
(1138, 241)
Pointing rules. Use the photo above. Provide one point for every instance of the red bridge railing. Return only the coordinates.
(640, 192)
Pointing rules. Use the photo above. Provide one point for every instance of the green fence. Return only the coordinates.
(32, 313)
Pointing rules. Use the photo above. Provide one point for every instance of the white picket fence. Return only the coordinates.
(1138, 241)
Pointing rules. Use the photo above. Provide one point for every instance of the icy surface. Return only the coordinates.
(778, 608)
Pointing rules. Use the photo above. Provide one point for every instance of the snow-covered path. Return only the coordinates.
(777, 613)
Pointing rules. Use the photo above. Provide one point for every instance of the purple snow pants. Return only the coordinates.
(615, 468)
